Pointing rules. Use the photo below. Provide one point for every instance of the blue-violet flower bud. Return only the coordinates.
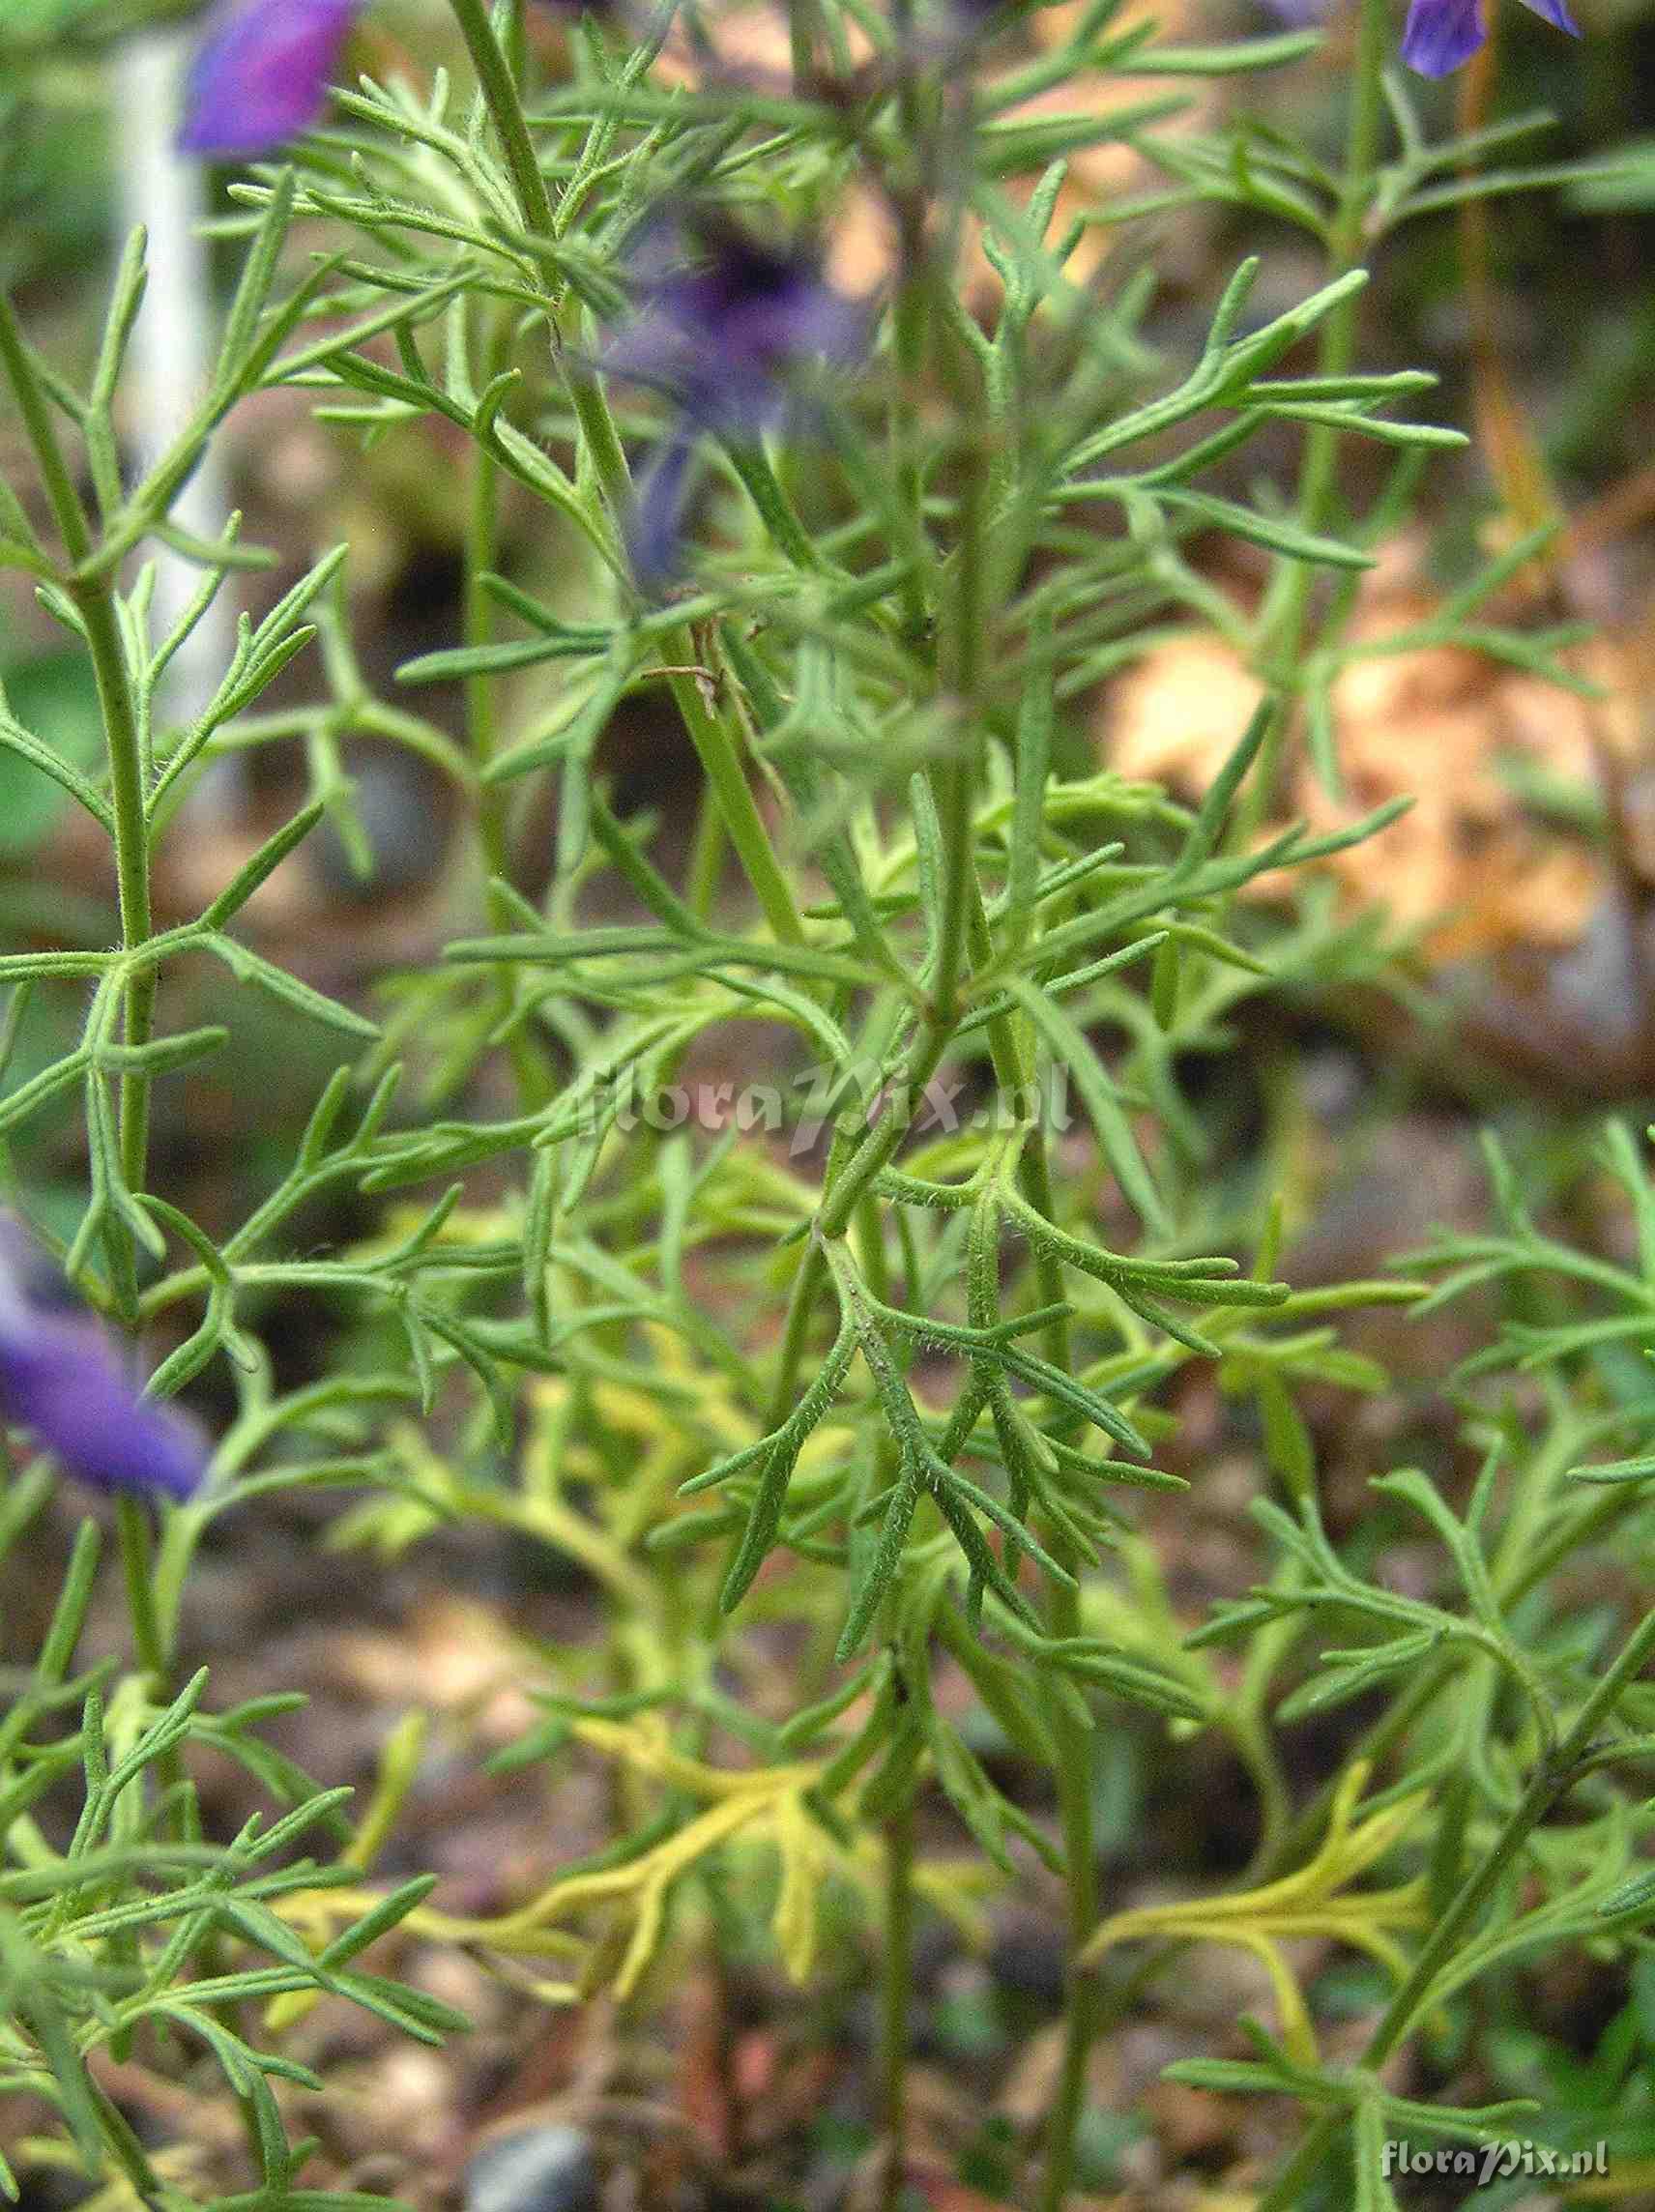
(724, 335)
(261, 74)
(61, 1378)
(1441, 34)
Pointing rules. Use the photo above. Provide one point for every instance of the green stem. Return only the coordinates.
(493, 816)
(842, 1195)
(844, 1187)
(499, 89)
(517, 49)
(96, 605)
(956, 781)
(909, 323)
(138, 1566)
(1079, 1876)
(1082, 2009)
(1551, 1781)
(808, 38)
(1336, 342)
(957, 786)
(721, 762)
(151, 1640)
(1284, 615)
(94, 600)
(482, 532)
(796, 1336)
(34, 409)
(706, 858)
(708, 732)
(875, 1147)
(1513, 1578)
(127, 2153)
(896, 1999)
(1072, 1740)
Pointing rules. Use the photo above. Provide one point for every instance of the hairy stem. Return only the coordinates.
(1080, 1879)
(138, 1567)
(499, 89)
(715, 747)
(95, 604)
(493, 816)
(1285, 619)
(896, 1999)
(707, 730)
(1073, 1774)
(1551, 1781)
(94, 598)
(34, 410)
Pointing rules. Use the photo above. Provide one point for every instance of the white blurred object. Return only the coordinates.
(171, 357)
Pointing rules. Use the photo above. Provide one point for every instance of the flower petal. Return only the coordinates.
(1441, 34)
(725, 314)
(262, 74)
(1555, 12)
(61, 1378)
(726, 322)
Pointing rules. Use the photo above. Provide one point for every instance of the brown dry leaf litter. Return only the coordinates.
(1466, 868)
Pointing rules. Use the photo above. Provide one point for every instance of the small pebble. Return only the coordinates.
(547, 2169)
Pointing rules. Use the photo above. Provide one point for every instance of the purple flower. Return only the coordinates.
(724, 333)
(61, 1378)
(262, 72)
(1441, 34)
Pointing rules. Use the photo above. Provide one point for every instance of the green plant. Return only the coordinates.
(876, 630)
